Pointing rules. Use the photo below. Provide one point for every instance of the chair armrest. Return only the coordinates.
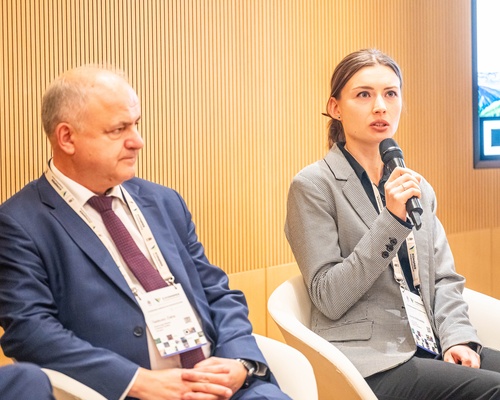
(67, 388)
(288, 306)
(290, 367)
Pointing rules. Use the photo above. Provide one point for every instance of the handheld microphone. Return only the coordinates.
(392, 157)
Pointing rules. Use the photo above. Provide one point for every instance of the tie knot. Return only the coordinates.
(101, 203)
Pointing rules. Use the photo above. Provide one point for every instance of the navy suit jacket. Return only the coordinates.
(65, 305)
(24, 381)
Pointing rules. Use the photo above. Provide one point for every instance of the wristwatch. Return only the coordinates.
(251, 367)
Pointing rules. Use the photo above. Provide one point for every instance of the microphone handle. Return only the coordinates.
(414, 210)
(413, 205)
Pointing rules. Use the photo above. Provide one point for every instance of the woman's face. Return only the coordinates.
(369, 106)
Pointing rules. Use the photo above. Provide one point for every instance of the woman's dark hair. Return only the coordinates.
(344, 71)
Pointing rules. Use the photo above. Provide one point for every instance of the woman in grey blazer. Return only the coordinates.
(347, 226)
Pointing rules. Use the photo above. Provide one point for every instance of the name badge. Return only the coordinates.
(419, 322)
(171, 320)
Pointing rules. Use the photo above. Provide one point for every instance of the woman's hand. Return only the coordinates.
(403, 183)
(464, 355)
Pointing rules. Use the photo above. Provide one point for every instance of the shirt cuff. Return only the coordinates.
(125, 393)
(261, 370)
(406, 223)
(475, 346)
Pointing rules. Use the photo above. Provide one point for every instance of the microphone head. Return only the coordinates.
(389, 150)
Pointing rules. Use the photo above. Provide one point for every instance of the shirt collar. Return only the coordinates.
(79, 192)
(358, 169)
(356, 166)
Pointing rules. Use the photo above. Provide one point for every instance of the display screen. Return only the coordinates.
(486, 82)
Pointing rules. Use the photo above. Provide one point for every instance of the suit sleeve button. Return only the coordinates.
(393, 241)
(389, 247)
(138, 331)
(385, 254)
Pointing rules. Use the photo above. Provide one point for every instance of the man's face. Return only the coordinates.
(107, 141)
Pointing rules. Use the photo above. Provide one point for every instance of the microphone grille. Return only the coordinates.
(389, 149)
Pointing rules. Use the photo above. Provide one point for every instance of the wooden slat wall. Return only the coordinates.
(232, 94)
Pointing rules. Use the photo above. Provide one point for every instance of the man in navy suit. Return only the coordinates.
(24, 381)
(71, 301)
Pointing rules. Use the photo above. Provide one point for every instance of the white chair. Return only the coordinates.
(291, 369)
(336, 377)
(66, 388)
(484, 312)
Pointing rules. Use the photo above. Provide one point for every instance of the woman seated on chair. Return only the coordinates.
(383, 285)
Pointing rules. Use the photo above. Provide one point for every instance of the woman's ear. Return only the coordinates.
(333, 108)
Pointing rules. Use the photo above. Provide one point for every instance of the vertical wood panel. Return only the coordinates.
(232, 93)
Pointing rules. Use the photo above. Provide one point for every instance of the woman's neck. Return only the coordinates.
(369, 159)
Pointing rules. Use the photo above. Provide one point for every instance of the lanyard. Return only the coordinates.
(412, 252)
(153, 249)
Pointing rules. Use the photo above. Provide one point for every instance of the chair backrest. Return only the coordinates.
(336, 377)
(290, 367)
(483, 314)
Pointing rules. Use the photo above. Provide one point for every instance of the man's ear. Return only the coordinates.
(64, 137)
(333, 108)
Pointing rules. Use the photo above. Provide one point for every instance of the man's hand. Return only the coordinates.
(217, 371)
(462, 354)
(170, 384)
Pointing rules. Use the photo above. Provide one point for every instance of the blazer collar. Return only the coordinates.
(351, 187)
(90, 244)
(81, 234)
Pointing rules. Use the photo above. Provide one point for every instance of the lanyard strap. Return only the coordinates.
(411, 249)
(152, 247)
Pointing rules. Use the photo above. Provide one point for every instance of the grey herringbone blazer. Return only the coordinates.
(344, 247)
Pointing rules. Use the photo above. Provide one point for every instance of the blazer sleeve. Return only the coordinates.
(449, 309)
(29, 316)
(339, 256)
(224, 311)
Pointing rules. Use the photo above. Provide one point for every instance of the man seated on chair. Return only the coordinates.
(24, 381)
(102, 274)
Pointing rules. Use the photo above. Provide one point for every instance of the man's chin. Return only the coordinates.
(129, 175)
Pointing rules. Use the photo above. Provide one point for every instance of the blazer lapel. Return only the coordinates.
(150, 209)
(355, 194)
(352, 187)
(82, 235)
(169, 246)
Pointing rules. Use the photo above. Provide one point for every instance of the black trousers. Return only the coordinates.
(423, 378)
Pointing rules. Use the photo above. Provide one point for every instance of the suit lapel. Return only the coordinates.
(162, 232)
(176, 256)
(82, 235)
(352, 187)
(425, 265)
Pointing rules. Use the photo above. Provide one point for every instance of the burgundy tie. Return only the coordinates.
(146, 274)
